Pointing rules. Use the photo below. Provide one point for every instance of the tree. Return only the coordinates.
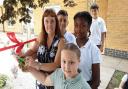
(14, 8)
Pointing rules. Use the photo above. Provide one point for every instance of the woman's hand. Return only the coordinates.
(30, 62)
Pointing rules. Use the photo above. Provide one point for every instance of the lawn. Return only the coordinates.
(115, 80)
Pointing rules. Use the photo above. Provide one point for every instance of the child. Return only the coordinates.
(62, 16)
(98, 28)
(66, 77)
(90, 54)
(124, 82)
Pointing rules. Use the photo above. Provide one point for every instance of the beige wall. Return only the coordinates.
(117, 24)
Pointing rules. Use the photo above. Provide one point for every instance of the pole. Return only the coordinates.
(2, 14)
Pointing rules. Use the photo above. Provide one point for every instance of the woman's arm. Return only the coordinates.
(57, 60)
(32, 51)
(95, 76)
(50, 66)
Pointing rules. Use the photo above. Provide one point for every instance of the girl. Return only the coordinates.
(90, 54)
(66, 77)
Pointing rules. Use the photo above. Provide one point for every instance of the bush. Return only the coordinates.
(5, 82)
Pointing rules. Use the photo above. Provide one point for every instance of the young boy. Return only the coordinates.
(63, 22)
(98, 28)
(90, 54)
(66, 77)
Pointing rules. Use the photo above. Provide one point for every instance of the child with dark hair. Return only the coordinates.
(63, 22)
(98, 27)
(90, 54)
(66, 77)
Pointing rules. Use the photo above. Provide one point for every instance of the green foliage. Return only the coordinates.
(3, 79)
(116, 79)
(15, 8)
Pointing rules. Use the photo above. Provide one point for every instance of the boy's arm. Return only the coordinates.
(95, 76)
(41, 77)
(103, 36)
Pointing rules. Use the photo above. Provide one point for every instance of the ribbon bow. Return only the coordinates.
(19, 45)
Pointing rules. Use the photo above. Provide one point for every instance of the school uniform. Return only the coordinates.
(90, 54)
(59, 81)
(98, 26)
(69, 37)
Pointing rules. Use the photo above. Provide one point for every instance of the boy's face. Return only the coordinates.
(63, 22)
(69, 63)
(94, 13)
(81, 28)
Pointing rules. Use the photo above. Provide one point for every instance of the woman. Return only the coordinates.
(47, 46)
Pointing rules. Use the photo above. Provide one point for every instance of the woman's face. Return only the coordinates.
(69, 63)
(81, 28)
(50, 24)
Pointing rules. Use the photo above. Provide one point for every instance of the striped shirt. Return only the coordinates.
(60, 82)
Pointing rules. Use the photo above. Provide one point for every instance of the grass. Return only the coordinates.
(115, 80)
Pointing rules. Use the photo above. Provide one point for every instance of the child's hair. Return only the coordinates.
(72, 47)
(94, 6)
(62, 12)
(86, 16)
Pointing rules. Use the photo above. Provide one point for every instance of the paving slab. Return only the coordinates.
(110, 62)
(106, 74)
(123, 66)
(108, 66)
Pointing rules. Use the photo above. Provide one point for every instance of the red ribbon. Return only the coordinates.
(19, 45)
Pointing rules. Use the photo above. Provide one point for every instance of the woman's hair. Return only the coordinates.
(86, 16)
(72, 47)
(43, 35)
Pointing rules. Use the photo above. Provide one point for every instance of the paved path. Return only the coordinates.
(108, 67)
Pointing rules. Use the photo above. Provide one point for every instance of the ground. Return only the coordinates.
(115, 80)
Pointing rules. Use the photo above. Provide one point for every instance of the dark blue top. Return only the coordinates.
(46, 55)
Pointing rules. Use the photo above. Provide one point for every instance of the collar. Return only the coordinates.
(85, 45)
(71, 80)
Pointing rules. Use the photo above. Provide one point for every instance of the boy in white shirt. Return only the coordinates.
(98, 28)
(63, 22)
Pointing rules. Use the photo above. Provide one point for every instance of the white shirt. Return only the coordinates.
(90, 54)
(70, 38)
(97, 27)
(125, 77)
